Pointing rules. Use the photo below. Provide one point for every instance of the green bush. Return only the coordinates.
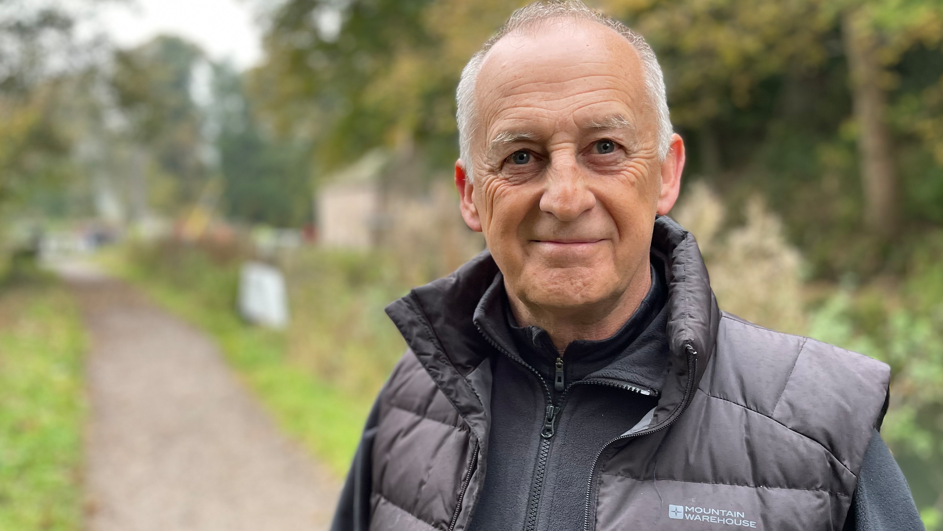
(339, 329)
(909, 338)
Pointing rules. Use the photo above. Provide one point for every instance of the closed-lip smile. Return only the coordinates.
(568, 242)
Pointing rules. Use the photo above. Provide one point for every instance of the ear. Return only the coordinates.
(671, 175)
(465, 191)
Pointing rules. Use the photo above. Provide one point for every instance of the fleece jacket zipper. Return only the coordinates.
(551, 415)
(546, 436)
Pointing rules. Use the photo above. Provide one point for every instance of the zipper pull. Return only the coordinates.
(548, 429)
(558, 380)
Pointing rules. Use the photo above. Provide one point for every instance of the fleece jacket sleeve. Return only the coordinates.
(882, 501)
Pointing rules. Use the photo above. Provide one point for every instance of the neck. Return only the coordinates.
(593, 322)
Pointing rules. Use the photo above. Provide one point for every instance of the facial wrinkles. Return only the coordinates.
(536, 118)
(579, 75)
(563, 161)
(493, 191)
(536, 105)
(570, 135)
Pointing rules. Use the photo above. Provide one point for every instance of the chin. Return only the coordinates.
(569, 289)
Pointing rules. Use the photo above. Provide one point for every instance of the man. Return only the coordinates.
(580, 376)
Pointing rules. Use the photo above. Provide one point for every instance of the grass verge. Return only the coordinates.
(42, 408)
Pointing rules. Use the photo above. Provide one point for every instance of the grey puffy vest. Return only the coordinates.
(754, 429)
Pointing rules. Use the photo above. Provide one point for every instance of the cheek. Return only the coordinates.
(631, 201)
(640, 175)
(504, 206)
(643, 184)
(484, 198)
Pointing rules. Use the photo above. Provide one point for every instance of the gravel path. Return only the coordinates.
(174, 442)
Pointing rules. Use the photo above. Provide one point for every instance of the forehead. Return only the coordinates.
(560, 71)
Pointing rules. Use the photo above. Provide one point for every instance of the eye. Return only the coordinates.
(605, 146)
(519, 157)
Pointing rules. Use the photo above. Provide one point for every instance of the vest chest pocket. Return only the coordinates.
(666, 505)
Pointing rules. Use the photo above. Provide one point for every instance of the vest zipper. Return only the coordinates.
(465, 481)
(692, 371)
(625, 387)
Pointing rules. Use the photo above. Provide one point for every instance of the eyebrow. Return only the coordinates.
(510, 137)
(613, 121)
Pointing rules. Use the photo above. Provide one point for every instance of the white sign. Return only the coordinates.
(263, 299)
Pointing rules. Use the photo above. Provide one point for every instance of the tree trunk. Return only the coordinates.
(709, 150)
(138, 184)
(879, 176)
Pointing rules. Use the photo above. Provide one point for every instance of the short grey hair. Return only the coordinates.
(550, 9)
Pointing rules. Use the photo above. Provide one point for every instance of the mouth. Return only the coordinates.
(567, 247)
(568, 242)
(567, 252)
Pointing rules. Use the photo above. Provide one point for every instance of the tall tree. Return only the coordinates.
(877, 35)
(34, 37)
(876, 155)
(153, 87)
(350, 76)
(266, 180)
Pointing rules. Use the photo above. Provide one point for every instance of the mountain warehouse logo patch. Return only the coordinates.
(713, 516)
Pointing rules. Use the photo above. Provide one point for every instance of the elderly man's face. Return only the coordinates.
(567, 179)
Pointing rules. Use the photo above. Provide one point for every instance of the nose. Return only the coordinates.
(566, 195)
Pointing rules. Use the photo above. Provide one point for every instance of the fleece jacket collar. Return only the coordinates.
(635, 355)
